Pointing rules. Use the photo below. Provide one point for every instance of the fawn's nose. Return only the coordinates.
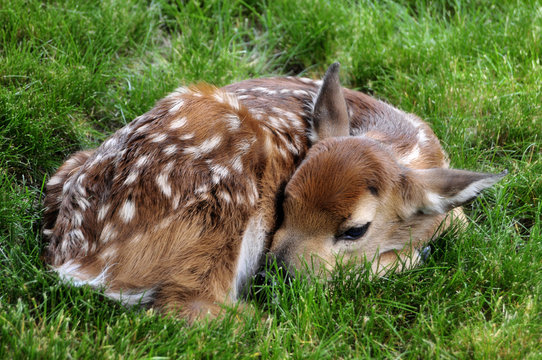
(275, 268)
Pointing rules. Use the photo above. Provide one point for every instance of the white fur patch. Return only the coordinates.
(224, 195)
(143, 160)
(108, 233)
(131, 178)
(227, 98)
(300, 92)
(205, 147)
(103, 212)
(127, 211)
(170, 149)
(77, 219)
(237, 164)
(55, 180)
(233, 121)
(132, 297)
(70, 273)
(250, 253)
(176, 107)
(163, 184)
(201, 189)
(142, 129)
(156, 138)
(219, 172)
(178, 123)
(412, 156)
(186, 136)
(175, 201)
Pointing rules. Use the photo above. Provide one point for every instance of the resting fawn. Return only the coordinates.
(180, 207)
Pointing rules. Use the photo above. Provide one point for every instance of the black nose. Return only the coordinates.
(425, 253)
(269, 281)
(274, 270)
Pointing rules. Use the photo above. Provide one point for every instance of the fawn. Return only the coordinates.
(179, 208)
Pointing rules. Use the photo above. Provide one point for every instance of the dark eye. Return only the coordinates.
(354, 233)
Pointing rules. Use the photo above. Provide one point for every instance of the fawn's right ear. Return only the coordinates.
(330, 116)
(436, 191)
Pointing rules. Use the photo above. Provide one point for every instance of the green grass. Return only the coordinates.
(71, 72)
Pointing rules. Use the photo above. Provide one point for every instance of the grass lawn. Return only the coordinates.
(71, 72)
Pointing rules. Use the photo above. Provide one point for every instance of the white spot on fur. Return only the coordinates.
(131, 178)
(142, 129)
(103, 212)
(274, 122)
(108, 253)
(226, 98)
(244, 97)
(132, 297)
(250, 253)
(233, 121)
(306, 80)
(83, 203)
(201, 189)
(175, 201)
(225, 196)
(47, 232)
(176, 107)
(108, 233)
(205, 147)
(285, 91)
(70, 273)
(294, 119)
(422, 137)
(219, 172)
(55, 180)
(163, 184)
(300, 92)
(111, 142)
(77, 219)
(178, 123)
(412, 156)
(127, 211)
(181, 90)
(158, 138)
(170, 150)
(237, 164)
(142, 161)
(186, 136)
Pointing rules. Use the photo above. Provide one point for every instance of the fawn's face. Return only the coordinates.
(341, 203)
(350, 201)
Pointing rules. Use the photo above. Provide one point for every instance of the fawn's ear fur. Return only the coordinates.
(436, 191)
(330, 116)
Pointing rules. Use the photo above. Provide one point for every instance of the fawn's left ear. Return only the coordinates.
(330, 116)
(438, 190)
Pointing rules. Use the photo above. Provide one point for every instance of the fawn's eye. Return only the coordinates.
(354, 233)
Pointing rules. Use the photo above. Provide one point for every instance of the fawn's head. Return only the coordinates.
(350, 199)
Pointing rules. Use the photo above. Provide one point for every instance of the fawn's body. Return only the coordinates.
(179, 207)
